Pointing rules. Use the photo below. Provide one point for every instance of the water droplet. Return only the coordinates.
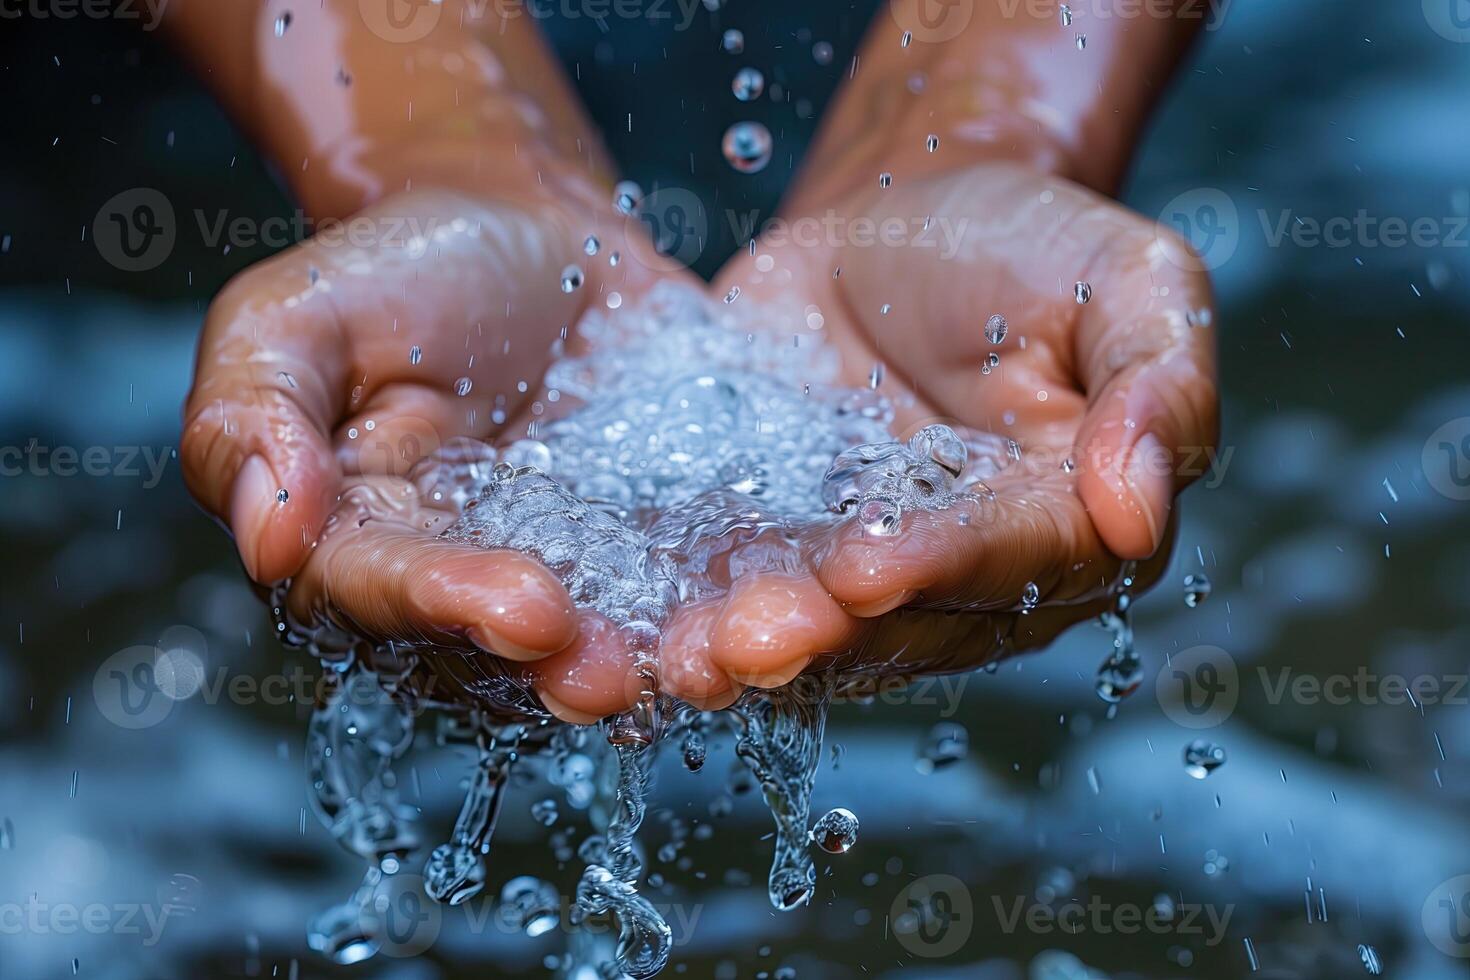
(1030, 596)
(591, 245)
(571, 279)
(732, 295)
(1081, 42)
(282, 495)
(995, 328)
(1066, 15)
(1083, 292)
(1370, 959)
(733, 42)
(885, 179)
(694, 751)
(946, 744)
(1197, 589)
(885, 309)
(415, 354)
(1202, 758)
(614, 259)
(879, 517)
(822, 53)
(931, 143)
(747, 147)
(463, 386)
(283, 22)
(906, 40)
(748, 84)
(835, 831)
(545, 812)
(992, 360)
(627, 195)
(530, 904)
(1215, 865)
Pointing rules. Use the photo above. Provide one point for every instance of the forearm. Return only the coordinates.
(1010, 84)
(352, 107)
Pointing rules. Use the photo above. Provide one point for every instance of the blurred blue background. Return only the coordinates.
(1334, 529)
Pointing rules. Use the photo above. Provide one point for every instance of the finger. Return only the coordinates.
(980, 553)
(771, 626)
(1146, 355)
(686, 668)
(379, 567)
(254, 448)
(596, 676)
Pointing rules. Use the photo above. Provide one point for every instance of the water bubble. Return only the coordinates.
(282, 495)
(627, 195)
(1030, 596)
(995, 328)
(879, 517)
(591, 245)
(931, 143)
(545, 812)
(571, 279)
(732, 41)
(1197, 589)
(885, 179)
(1202, 757)
(1215, 864)
(747, 147)
(748, 84)
(836, 831)
(530, 904)
(822, 53)
(946, 744)
(1082, 292)
(415, 354)
(463, 386)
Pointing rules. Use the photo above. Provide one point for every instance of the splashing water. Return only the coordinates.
(693, 452)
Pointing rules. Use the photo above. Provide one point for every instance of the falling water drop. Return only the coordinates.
(732, 41)
(415, 354)
(906, 40)
(1066, 15)
(748, 84)
(822, 53)
(1197, 589)
(571, 279)
(591, 245)
(1202, 757)
(747, 147)
(946, 744)
(1030, 596)
(835, 831)
(283, 22)
(931, 143)
(282, 495)
(995, 328)
(885, 179)
(627, 195)
(1082, 292)
(463, 386)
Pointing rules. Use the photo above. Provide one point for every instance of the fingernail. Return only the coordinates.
(254, 492)
(878, 607)
(492, 642)
(565, 712)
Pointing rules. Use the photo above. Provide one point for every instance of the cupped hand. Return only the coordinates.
(327, 372)
(1103, 409)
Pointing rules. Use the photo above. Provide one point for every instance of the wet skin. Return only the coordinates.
(303, 352)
